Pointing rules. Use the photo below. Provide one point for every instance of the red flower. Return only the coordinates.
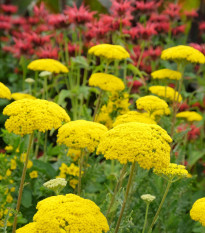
(142, 32)
(202, 27)
(33, 20)
(42, 28)
(36, 39)
(136, 84)
(179, 29)
(147, 6)
(47, 52)
(191, 14)
(73, 49)
(18, 21)
(22, 47)
(58, 20)
(79, 16)
(193, 133)
(122, 8)
(154, 53)
(172, 10)
(9, 9)
(183, 106)
(5, 25)
(40, 12)
(200, 47)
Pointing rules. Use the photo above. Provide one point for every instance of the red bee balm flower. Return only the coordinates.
(9, 9)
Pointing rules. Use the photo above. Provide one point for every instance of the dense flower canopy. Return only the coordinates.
(81, 134)
(183, 53)
(67, 214)
(19, 96)
(166, 92)
(27, 115)
(109, 51)
(172, 171)
(166, 73)
(197, 211)
(4, 92)
(133, 116)
(189, 116)
(147, 144)
(153, 104)
(50, 65)
(106, 82)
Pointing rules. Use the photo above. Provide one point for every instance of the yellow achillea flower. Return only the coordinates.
(4, 92)
(27, 115)
(172, 171)
(69, 213)
(190, 116)
(33, 174)
(106, 82)
(109, 51)
(153, 104)
(197, 212)
(147, 144)
(81, 134)
(20, 96)
(167, 92)
(166, 73)
(133, 116)
(50, 65)
(183, 53)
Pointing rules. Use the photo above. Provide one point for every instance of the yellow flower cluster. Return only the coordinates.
(33, 174)
(183, 53)
(118, 103)
(147, 144)
(133, 116)
(67, 214)
(23, 158)
(153, 104)
(106, 82)
(189, 116)
(47, 64)
(4, 92)
(27, 115)
(197, 211)
(71, 170)
(81, 134)
(74, 154)
(172, 171)
(109, 51)
(166, 92)
(73, 183)
(20, 96)
(166, 73)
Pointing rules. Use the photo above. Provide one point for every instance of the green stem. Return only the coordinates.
(160, 206)
(126, 196)
(98, 104)
(36, 83)
(141, 54)
(145, 220)
(22, 183)
(80, 171)
(45, 147)
(125, 72)
(37, 144)
(117, 187)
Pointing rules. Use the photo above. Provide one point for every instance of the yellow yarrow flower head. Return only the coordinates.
(153, 104)
(69, 213)
(109, 51)
(172, 171)
(50, 65)
(27, 115)
(20, 96)
(197, 212)
(166, 92)
(81, 134)
(166, 74)
(183, 53)
(133, 116)
(4, 92)
(31, 228)
(189, 116)
(106, 82)
(147, 144)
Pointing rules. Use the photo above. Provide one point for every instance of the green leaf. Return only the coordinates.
(195, 156)
(62, 96)
(45, 168)
(80, 61)
(26, 198)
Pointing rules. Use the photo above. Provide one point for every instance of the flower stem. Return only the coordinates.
(22, 183)
(117, 187)
(145, 220)
(126, 196)
(160, 206)
(80, 171)
(98, 104)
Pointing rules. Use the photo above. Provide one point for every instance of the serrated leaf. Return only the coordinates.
(46, 168)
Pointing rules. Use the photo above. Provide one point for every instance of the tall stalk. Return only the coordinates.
(80, 170)
(126, 196)
(22, 183)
